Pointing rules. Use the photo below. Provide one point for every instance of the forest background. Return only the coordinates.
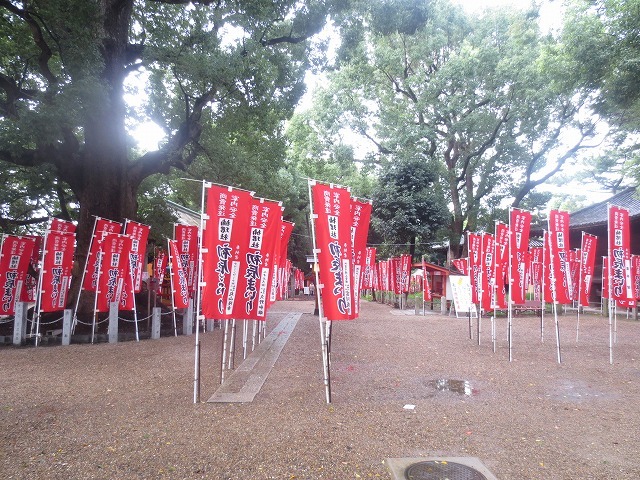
(444, 117)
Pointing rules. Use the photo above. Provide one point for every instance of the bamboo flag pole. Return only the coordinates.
(554, 297)
(612, 302)
(173, 305)
(545, 239)
(38, 306)
(580, 286)
(133, 295)
(510, 283)
(494, 287)
(471, 283)
(245, 326)
(201, 250)
(232, 343)
(84, 272)
(223, 360)
(480, 283)
(133, 286)
(95, 300)
(322, 320)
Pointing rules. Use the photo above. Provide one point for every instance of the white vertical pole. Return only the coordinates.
(510, 283)
(554, 296)
(232, 344)
(245, 333)
(173, 305)
(225, 337)
(133, 286)
(494, 287)
(545, 239)
(196, 374)
(580, 286)
(253, 335)
(84, 272)
(95, 300)
(38, 305)
(612, 302)
(323, 321)
(480, 286)
(135, 310)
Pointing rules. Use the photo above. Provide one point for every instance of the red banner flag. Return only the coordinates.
(30, 285)
(405, 272)
(547, 272)
(179, 282)
(277, 284)
(462, 264)
(113, 271)
(62, 226)
(396, 274)
(501, 241)
(487, 271)
(559, 250)
(635, 275)
(369, 269)
(15, 255)
(519, 226)
(588, 251)
(575, 258)
(475, 264)
(384, 275)
(139, 234)
(101, 227)
(287, 228)
(56, 270)
(536, 272)
(265, 228)
(159, 268)
(427, 295)
(332, 210)
(226, 228)
(605, 277)
(186, 237)
(619, 254)
(360, 216)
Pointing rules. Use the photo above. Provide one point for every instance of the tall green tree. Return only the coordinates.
(602, 40)
(407, 205)
(486, 99)
(601, 44)
(65, 67)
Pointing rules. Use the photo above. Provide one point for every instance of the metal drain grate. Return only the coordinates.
(441, 470)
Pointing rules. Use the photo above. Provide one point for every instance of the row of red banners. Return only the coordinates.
(556, 272)
(244, 259)
(244, 255)
(115, 263)
(20, 257)
(341, 230)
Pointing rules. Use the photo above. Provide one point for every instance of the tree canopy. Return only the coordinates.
(482, 101)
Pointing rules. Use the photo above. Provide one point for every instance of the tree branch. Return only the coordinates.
(13, 93)
(38, 38)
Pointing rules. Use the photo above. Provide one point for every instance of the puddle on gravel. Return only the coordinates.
(461, 387)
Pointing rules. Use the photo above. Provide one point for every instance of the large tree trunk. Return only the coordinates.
(101, 179)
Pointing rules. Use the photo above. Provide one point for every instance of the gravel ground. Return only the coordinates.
(126, 410)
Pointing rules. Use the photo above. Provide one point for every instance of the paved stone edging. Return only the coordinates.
(246, 381)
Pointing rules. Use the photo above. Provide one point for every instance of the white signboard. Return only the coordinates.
(461, 292)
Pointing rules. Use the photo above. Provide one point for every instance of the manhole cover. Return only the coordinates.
(440, 470)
